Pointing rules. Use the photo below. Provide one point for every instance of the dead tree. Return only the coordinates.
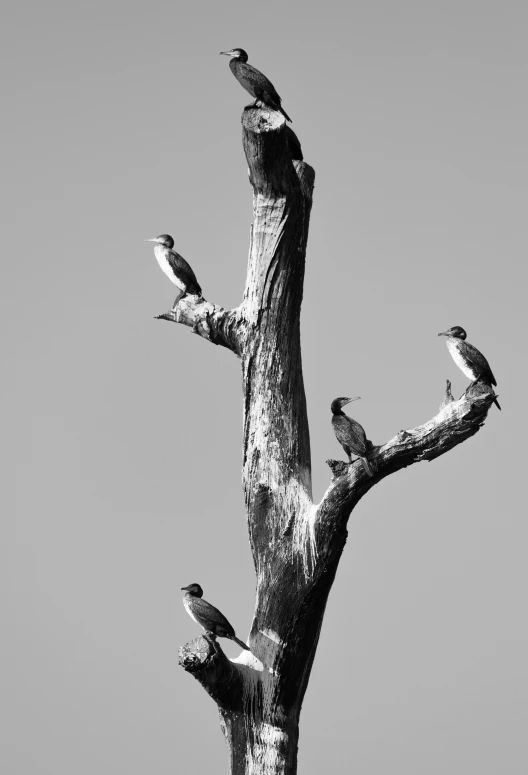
(296, 543)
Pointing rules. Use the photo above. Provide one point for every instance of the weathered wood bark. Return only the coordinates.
(296, 544)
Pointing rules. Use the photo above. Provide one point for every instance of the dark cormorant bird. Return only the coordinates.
(350, 433)
(254, 81)
(175, 267)
(207, 616)
(469, 360)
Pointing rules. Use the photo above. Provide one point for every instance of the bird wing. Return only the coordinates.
(350, 433)
(476, 358)
(181, 268)
(210, 615)
(255, 82)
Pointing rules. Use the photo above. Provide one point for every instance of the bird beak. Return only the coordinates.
(443, 333)
(226, 53)
(152, 239)
(349, 401)
(182, 587)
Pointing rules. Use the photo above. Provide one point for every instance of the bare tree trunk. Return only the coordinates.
(296, 544)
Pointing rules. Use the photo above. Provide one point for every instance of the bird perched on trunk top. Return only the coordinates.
(207, 616)
(175, 267)
(350, 433)
(254, 81)
(469, 360)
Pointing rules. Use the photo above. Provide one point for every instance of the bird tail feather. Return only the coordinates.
(367, 466)
(489, 384)
(240, 643)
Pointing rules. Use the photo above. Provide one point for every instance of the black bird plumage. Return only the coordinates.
(207, 616)
(349, 433)
(469, 360)
(253, 81)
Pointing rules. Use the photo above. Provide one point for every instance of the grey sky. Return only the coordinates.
(120, 122)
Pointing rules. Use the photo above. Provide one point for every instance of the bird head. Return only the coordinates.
(337, 403)
(163, 239)
(456, 331)
(194, 589)
(236, 53)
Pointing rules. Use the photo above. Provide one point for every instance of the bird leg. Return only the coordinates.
(211, 638)
(475, 381)
(176, 300)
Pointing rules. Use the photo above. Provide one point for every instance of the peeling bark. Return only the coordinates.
(216, 324)
(296, 544)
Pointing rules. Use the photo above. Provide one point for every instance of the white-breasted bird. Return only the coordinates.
(469, 360)
(175, 267)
